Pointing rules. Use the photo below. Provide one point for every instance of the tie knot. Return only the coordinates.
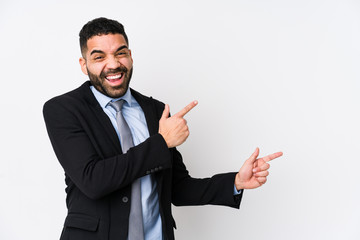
(117, 105)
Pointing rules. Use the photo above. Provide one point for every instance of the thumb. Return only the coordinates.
(254, 156)
(166, 112)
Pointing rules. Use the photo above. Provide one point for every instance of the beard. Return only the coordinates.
(100, 82)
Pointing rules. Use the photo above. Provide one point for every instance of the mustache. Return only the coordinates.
(114, 71)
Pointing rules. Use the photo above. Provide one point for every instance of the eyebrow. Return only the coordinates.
(101, 52)
(96, 51)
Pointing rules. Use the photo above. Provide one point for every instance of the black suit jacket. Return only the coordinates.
(99, 176)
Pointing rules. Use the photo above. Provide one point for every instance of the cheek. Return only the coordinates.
(95, 69)
(127, 63)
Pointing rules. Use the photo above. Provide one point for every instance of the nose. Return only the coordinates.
(112, 63)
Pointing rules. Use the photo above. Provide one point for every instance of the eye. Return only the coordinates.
(98, 57)
(123, 52)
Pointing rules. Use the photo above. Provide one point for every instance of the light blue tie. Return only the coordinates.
(136, 228)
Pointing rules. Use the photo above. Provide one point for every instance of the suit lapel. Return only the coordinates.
(149, 110)
(100, 115)
(108, 127)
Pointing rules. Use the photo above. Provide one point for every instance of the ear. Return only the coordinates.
(82, 62)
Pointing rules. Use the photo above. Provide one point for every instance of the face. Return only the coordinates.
(108, 63)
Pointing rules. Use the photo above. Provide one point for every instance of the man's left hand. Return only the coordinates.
(254, 172)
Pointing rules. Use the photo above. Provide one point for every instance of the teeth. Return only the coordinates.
(114, 77)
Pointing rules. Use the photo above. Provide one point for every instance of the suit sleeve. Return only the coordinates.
(217, 190)
(80, 155)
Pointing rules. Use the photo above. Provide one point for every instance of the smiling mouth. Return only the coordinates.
(114, 78)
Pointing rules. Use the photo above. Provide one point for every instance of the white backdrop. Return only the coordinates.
(280, 75)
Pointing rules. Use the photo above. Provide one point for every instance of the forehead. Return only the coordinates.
(107, 43)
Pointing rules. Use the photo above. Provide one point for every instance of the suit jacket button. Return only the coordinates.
(147, 172)
(156, 169)
(152, 170)
(125, 199)
(160, 167)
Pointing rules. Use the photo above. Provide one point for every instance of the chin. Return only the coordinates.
(117, 92)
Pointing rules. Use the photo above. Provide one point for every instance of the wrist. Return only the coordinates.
(238, 183)
(166, 141)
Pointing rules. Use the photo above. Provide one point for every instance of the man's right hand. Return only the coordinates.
(174, 129)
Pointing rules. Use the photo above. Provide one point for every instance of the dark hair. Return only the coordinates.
(97, 27)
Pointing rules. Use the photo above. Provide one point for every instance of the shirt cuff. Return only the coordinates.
(236, 192)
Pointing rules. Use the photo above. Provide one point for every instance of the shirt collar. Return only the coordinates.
(104, 100)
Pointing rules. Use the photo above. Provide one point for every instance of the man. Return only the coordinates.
(105, 180)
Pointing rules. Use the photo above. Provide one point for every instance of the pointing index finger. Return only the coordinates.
(272, 156)
(186, 109)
